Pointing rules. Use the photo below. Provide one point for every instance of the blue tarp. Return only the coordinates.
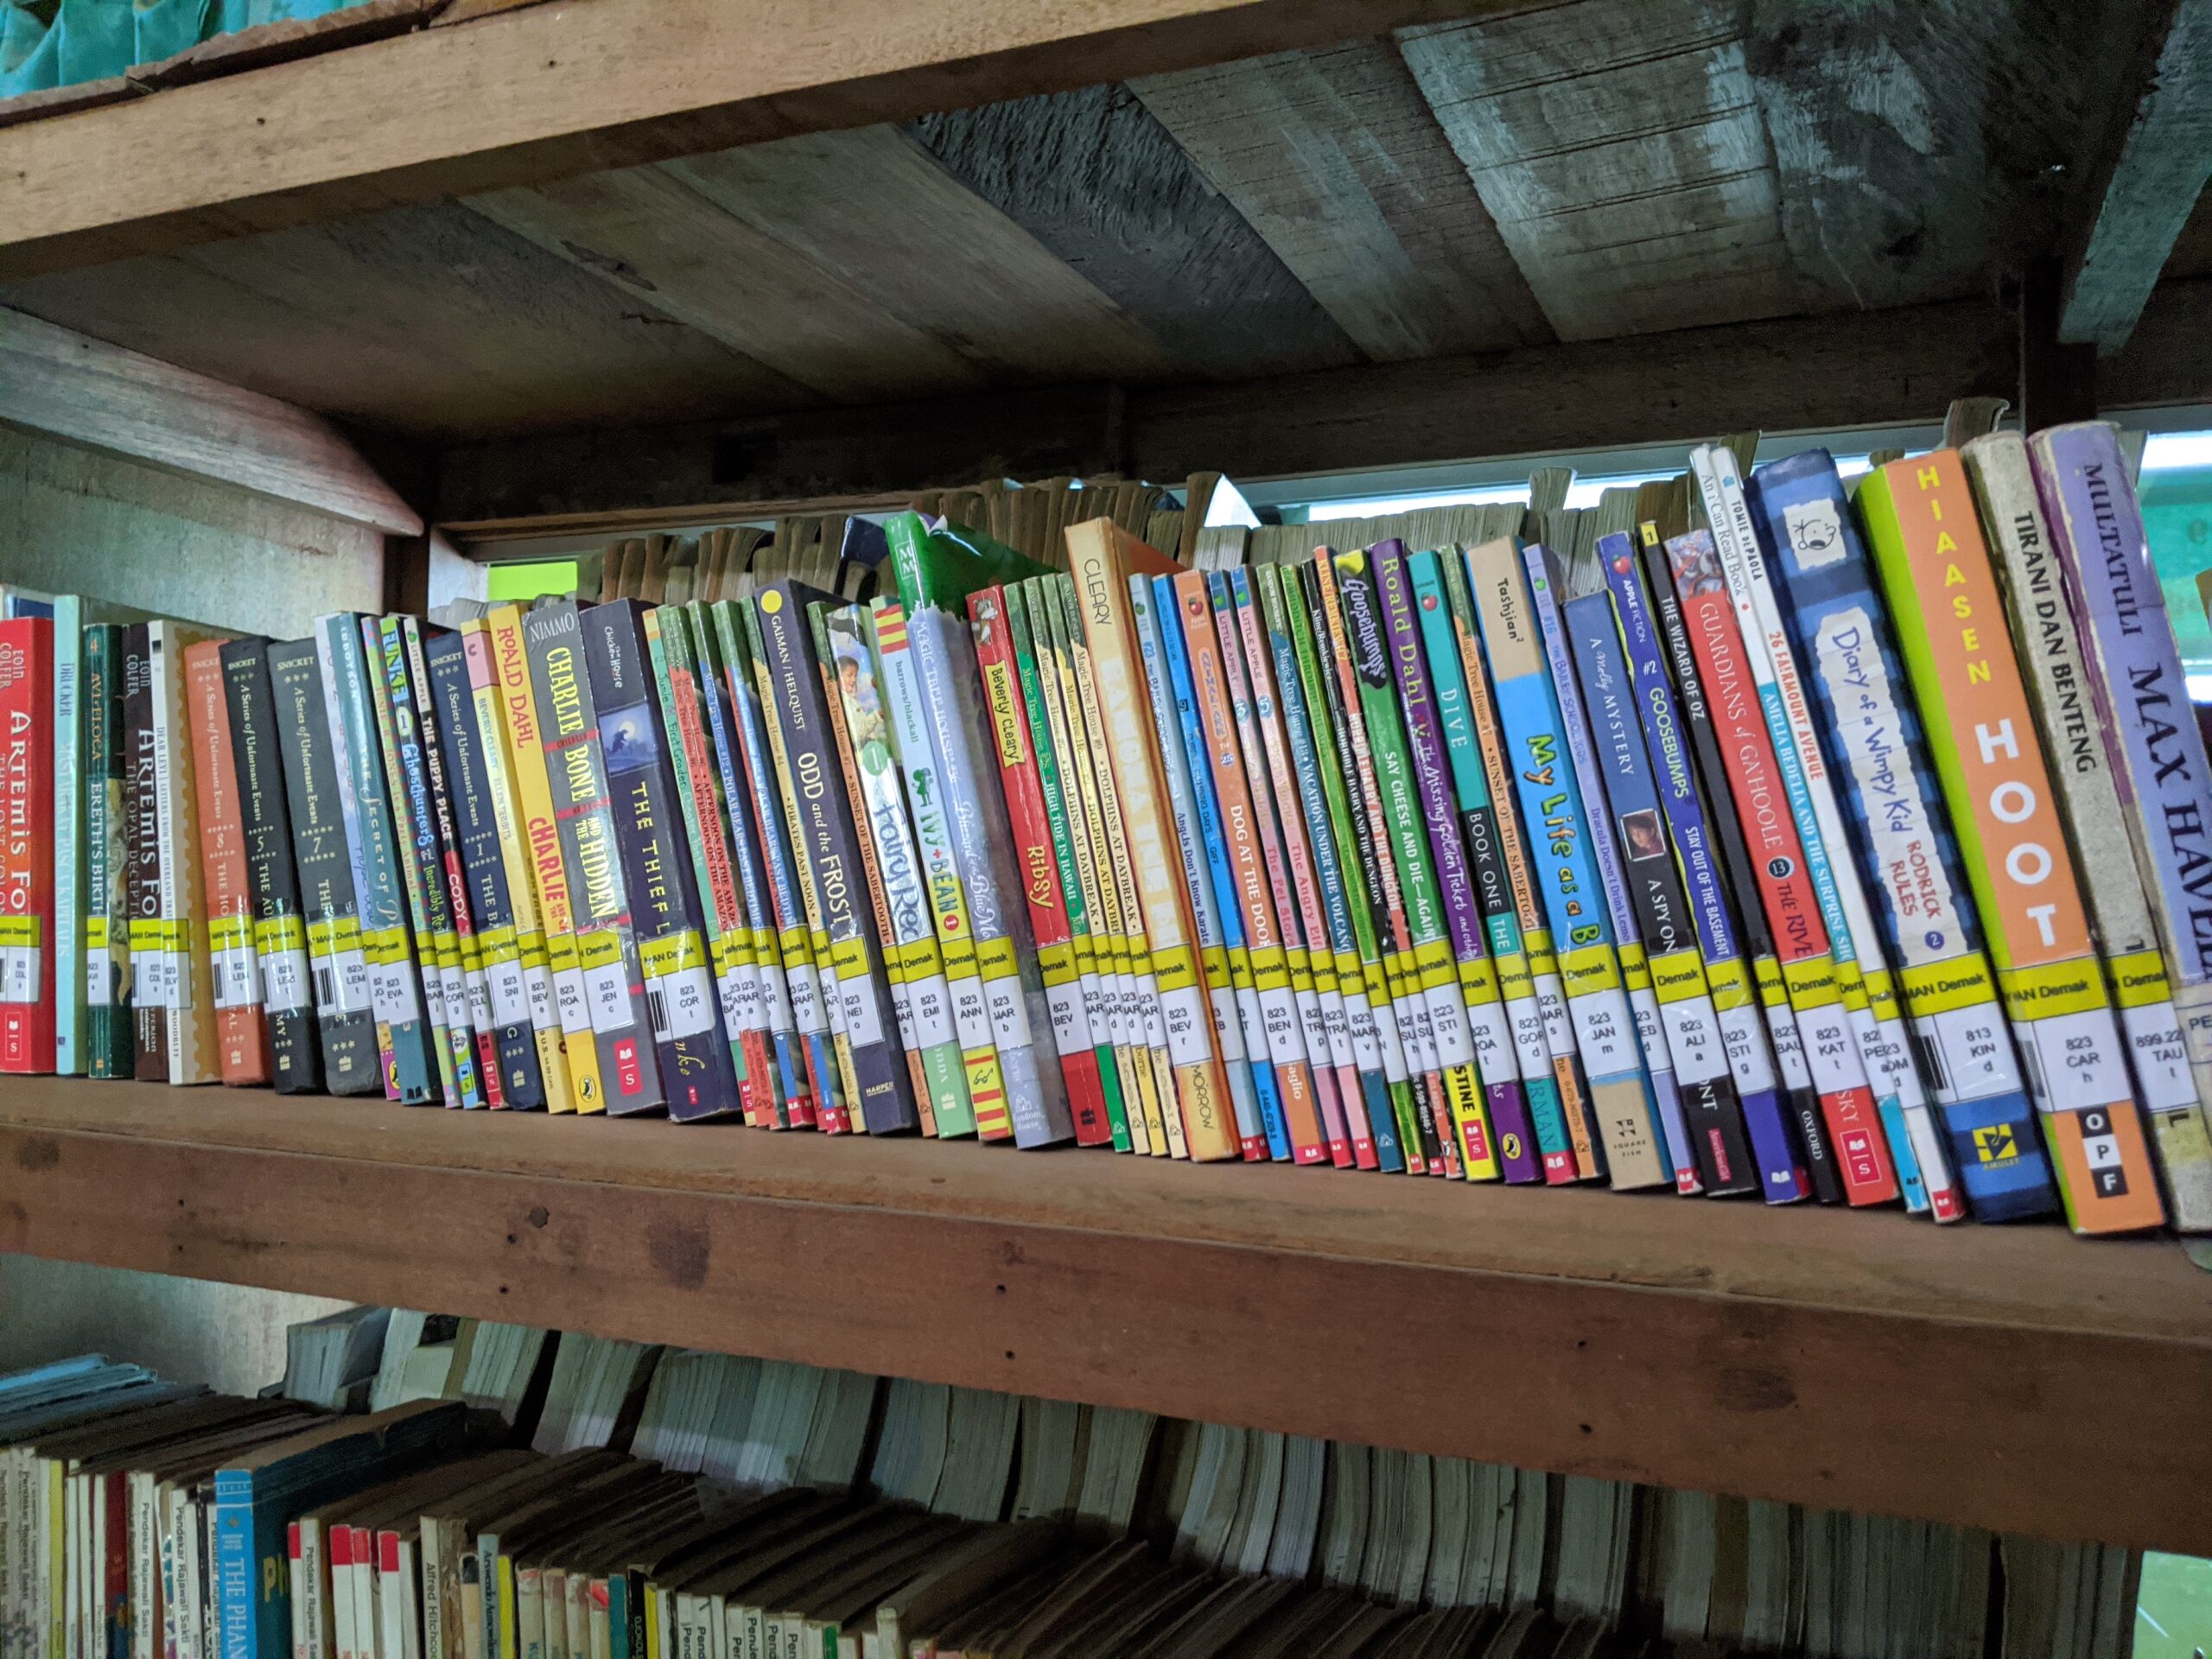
(46, 43)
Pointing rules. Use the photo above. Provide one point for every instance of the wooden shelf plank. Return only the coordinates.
(2018, 1379)
(554, 90)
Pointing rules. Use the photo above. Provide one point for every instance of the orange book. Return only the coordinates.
(241, 1030)
(1102, 556)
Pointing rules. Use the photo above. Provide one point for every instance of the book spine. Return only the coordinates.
(607, 947)
(1720, 1156)
(472, 990)
(187, 984)
(143, 886)
(1937, 576)
(1158, 1129)
(1375, 1054)
(488, 691)
(1194, 816)
(69, 848)
(698, 1077)
(1524, 1055)
(483, 896)
(978, 1106)
(1904, 841)
(27, 846)
(110, 1039)
(1085, 846)
(758, 960)
(1088, 1068)
(828, 865)
(1202, 1128)
(233, 1567)
(338, 970)
(1424, 1131)
(991, 623)
(1464, 1012)
(1917, 1158)
(523, 719)
(2156, 755)
(404, 1038)
(1732, 992)
(982, 842)
(241, 1028)
(2050, 659)
(437, 944)
(1792, 909)
(730, 934)
(279, 939)
(793, 945)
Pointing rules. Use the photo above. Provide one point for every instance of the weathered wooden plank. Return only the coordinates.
(285, 39)
(1338, 162)
(1097, 180)
(544, 92)
(1617, 144)
(878, 210)
(1826, 1358)
(61, 383)
(2147, 185)
(426, 321)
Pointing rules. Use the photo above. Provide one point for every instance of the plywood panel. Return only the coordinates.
(1618, 147)
(1338, 162)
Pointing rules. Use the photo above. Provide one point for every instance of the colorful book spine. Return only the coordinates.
(1347, 1016)
(1903, 838)
(338, 970)
(728, 933)
(1720, 1162)
(698, 1076)
(1561, 860)
(2154, 749)
(463, 743)
(143, 883)
(1070, 778)
(489, 692)
(1552, 1082)
(1738, 880)
(241, 1029)
(993, 623)
(109, 1039)
(421, 866)
(829, 864)
(187, 982)
(27, 845)
(1917, 1156)
(1937, 575)
(1721, 970)
(404, 1038)
(1101, 559)
(69, 846)
(1473, 985)
(824, 1092)
(1426, 1133)
(2050, 647)
(787, 1097)
(591, 853)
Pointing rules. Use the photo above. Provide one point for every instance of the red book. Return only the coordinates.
(241, 1031)
(1033, 856)
(26, 844)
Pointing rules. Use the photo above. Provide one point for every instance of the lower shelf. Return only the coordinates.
(2016, 1379)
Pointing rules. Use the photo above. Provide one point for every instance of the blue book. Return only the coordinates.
(1900, 835)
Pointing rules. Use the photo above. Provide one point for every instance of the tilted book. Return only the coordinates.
(241, 1029)
(27, 849)
(1937, 575)
(187, 982)
(1903, 836)
(110, 1041)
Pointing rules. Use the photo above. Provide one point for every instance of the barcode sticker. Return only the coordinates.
(682, 1003)
(2154, 1037)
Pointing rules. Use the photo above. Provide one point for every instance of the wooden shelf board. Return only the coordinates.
(2013, 1378)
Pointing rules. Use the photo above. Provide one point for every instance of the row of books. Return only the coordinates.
(1744, 836)
(754, 1508)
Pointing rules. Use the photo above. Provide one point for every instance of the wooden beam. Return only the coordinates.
(549, 90)
(63, 384)
(2145, 186)
(2058, 382)
(1828, 1357)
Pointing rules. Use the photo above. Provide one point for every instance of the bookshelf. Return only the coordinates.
(2004, 1378)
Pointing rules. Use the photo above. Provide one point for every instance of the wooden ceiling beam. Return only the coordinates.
(550, 91)
(2144, 185)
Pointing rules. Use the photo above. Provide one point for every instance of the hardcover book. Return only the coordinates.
(110, 1041)
(27, 847)
(149, 963)
(188, 983)
(241, 1029)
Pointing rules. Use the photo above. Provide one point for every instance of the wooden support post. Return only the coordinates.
(2058, 382)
